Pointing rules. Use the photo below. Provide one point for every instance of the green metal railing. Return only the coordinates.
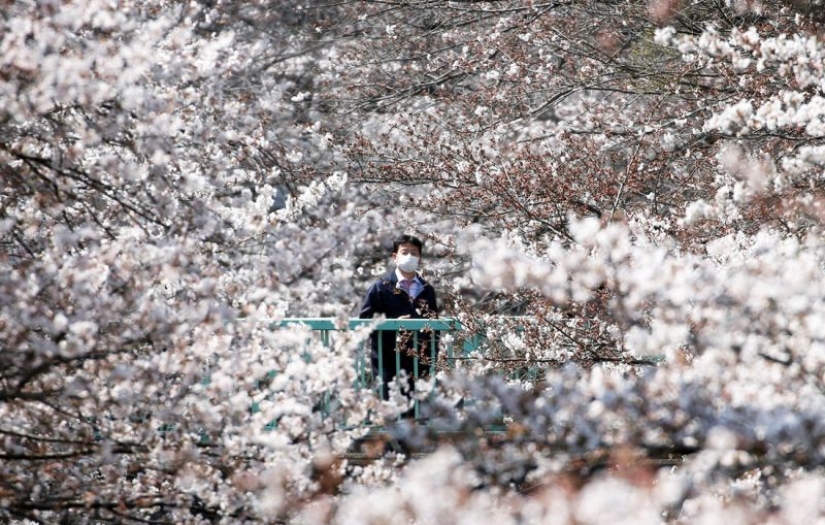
(450, 349)
(326, 325)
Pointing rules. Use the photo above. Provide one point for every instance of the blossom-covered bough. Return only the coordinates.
(143, 262)
(597, 184)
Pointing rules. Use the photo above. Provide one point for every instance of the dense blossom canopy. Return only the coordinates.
(623, 201)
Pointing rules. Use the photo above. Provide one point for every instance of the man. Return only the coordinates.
(401, 294)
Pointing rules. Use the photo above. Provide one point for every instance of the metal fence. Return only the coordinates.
(458, 346)
(450, 349)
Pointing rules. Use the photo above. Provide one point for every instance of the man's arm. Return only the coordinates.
(372, 303)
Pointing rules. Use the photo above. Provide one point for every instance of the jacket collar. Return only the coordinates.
(392, 278)
(416, 277)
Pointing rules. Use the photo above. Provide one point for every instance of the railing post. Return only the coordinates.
(416, 407)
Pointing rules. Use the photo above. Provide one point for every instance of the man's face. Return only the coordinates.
(407, 249)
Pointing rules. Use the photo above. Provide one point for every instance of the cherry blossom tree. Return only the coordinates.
(521, 115)
(640, 183)
(656, 141)
(145, 256)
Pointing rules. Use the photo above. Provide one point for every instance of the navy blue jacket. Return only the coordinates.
(383, 297)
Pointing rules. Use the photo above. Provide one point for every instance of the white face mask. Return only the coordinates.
(406, 262)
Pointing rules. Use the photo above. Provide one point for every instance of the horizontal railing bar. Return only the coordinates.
(328, 323)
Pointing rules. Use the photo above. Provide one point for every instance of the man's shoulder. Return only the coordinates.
(388, 279)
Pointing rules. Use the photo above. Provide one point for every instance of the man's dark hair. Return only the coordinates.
(408, 239)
